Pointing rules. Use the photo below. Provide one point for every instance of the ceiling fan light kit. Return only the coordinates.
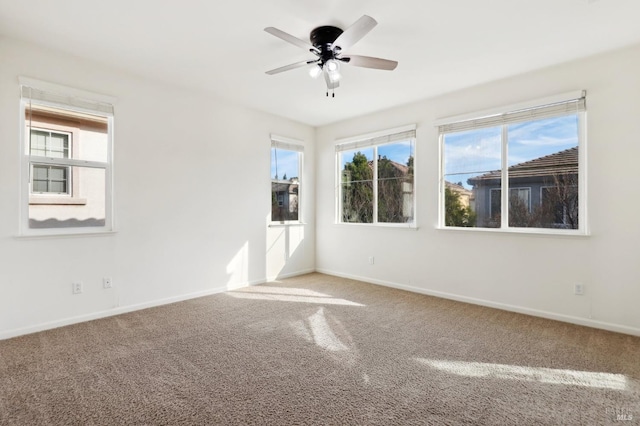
(315, 71)
(328, 44)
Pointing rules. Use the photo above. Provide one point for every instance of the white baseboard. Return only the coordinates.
(122, 310)
(588, 322)
(512, 308)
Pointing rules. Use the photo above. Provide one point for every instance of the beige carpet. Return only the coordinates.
(320, 350)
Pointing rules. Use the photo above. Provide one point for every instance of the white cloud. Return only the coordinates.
(471, 153)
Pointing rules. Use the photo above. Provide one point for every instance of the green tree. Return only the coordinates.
(456, 213)
(390, 191)
(357, 190)
(395, 189)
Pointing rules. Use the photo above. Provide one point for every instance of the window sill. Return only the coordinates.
(523, 231)
(57, 200)
(66, 234)
(285, 224)
(402, 226)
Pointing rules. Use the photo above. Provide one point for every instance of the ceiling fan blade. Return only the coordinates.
(370, 62)
(290, 39)
(355, 32)
(330, 84)
(290, 67)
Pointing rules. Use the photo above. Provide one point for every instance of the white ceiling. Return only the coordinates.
(220, 46)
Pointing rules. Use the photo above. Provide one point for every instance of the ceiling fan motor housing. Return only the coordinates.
(322, 38)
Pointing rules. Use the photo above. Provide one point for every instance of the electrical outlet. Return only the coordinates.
(371, 260)
(578, 289)
(76, 288)
(107, 283)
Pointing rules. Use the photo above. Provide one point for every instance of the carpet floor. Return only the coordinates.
(318, 349)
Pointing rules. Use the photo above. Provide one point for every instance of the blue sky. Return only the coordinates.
(285, 162)
(398, 152)
(467, 154)
(471, 153)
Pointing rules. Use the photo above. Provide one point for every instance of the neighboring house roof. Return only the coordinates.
(563, 162)
(403, 169)
(291, 188)
(466, 196)
(457, 188)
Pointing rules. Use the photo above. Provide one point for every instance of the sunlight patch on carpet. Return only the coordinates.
(529, 374)
(291, 296)
(283, 290)
(322, 333)
(329, 334)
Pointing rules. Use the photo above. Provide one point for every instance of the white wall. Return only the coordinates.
(192, 204)
(192, 199)
(527, 273)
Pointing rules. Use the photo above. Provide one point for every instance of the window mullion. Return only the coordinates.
(375, 185)
(504, 200)
(300, 185)
(338, 188)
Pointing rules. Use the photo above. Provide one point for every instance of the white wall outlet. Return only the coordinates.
(371, 260)
(76, 288)
(578, 289)
(107, 283)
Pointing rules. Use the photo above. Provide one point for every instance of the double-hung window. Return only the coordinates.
(66, 160)
(286, 174)
(48, 179)
(376, 178)
(518, 169)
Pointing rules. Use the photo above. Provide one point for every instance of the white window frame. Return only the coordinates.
(374, 140)
(36, 92)
(500, 117)
(289, 144)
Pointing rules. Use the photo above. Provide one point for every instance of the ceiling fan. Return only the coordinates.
(328, 44)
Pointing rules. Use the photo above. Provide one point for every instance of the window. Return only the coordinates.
(376, 178)
(286, 172)
(66, 166)
(531, 153)
(49, 179)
